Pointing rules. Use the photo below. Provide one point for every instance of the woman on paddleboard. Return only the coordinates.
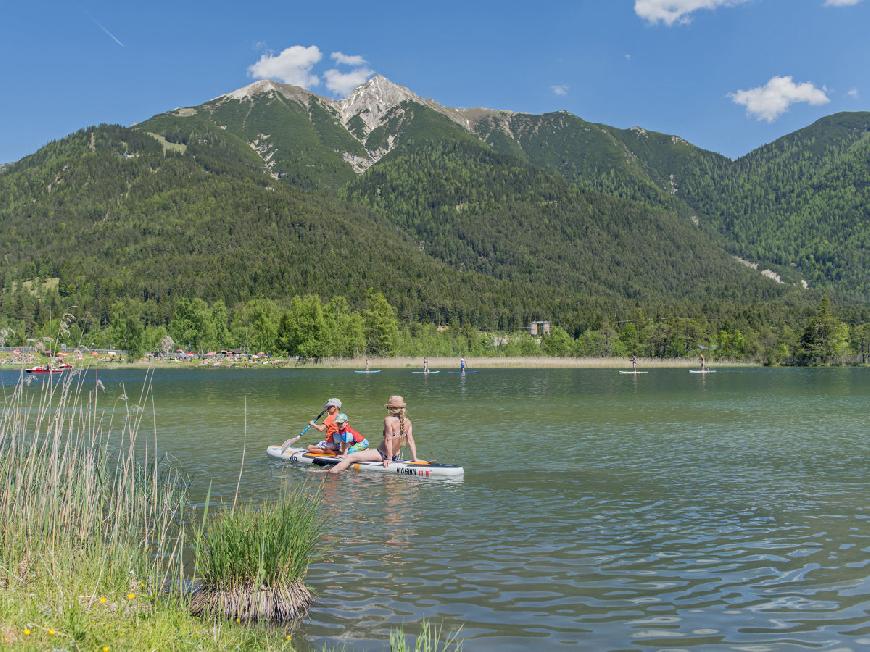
(398, 431)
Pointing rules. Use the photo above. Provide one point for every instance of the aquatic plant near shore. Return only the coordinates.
(429, 640)
(251, 562)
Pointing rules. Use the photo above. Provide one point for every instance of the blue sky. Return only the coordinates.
(676, 66)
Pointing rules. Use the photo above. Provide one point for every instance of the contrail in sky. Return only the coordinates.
(112, 36)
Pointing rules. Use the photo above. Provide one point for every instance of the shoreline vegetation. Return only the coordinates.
(401, 362)
(306, 331)
(94, 530)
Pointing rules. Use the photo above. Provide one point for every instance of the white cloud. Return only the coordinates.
(841, 3)
(770, 101)
(627, 57)
(675, 11)
(347, 59)
(291, 66)
(559, 89)
(853, 92)
(342, 83)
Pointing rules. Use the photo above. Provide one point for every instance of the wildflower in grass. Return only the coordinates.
(131, 596)
(106, 648)
(26, 631)
(51, 632)
(103, 599)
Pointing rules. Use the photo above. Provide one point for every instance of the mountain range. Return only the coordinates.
(478, 216)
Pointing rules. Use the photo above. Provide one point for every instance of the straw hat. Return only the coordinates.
(395, 401)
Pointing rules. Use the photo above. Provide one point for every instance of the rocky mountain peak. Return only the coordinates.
(265, 86)
(372, 100)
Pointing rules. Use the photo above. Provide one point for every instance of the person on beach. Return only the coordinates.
(329, 427)
(349, 440)
(398, 431)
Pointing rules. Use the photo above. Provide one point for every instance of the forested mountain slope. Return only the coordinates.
(477, 216)
(113, 216)
(800, 205)
(801, 202)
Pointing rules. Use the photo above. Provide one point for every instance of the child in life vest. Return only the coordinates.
(348, 439)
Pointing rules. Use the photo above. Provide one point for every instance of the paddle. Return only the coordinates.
(293, 440)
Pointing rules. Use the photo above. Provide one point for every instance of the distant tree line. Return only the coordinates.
(309, 327)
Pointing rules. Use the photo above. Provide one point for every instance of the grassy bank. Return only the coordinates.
(92, 531)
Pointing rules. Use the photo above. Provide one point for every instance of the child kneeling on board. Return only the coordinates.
(348, 439)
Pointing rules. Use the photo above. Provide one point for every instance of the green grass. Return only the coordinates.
(68, 603)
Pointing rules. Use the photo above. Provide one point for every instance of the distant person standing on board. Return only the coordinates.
(634, 361)
(425, 365)
(462, 365)
(703, 362)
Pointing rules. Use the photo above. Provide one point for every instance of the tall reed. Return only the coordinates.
(79, 485)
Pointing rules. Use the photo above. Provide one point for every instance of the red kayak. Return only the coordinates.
(44, 370)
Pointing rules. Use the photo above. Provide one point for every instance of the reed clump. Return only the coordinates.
(251, 562)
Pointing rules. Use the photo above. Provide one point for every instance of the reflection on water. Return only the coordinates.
(598, 511)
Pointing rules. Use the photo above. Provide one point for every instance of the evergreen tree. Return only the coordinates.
(381, 325)
(825, 339)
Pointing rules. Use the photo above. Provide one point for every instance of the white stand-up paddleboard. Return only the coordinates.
(367, 371)
(702, 371)
(419, 469)
(634, 372)
(437, 371)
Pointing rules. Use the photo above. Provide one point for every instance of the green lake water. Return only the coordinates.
(598, 510)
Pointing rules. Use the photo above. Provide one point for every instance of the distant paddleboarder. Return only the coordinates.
(634, 362)
(703, 362)
(425, 365)
(462, 365)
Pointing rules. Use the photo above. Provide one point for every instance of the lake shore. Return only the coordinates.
(405, 362)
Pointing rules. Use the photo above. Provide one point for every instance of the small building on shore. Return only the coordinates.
(538, 328)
